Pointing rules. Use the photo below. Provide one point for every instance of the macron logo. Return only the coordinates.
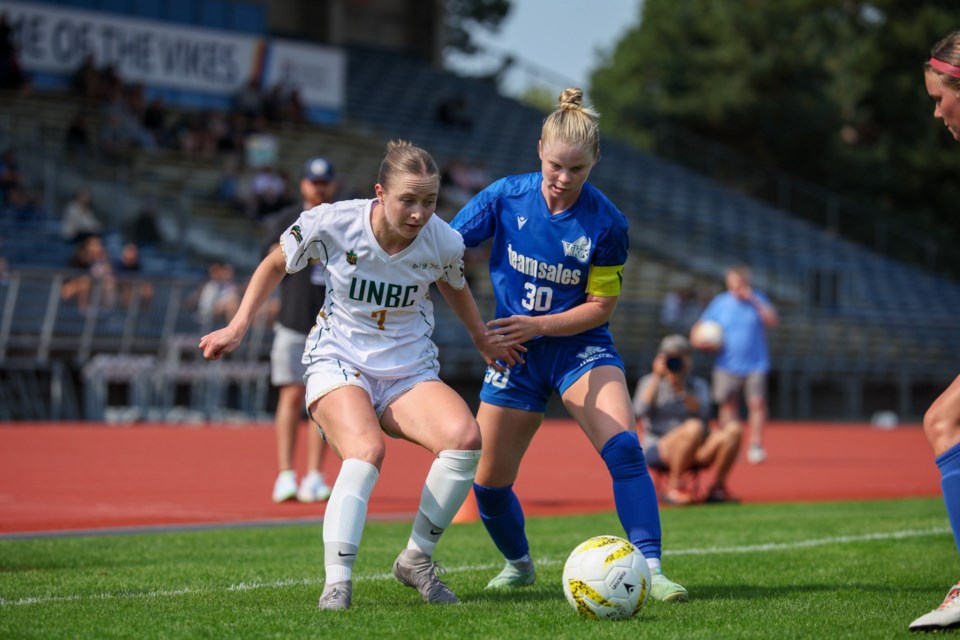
(521, 220)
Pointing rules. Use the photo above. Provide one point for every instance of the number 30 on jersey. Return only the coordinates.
(537, 298)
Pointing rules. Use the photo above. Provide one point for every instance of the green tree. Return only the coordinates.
(463, 16)
(829, 90)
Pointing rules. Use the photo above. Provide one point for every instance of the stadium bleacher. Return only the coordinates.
(847, 311)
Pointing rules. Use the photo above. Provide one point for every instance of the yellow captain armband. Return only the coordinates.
(605, 282)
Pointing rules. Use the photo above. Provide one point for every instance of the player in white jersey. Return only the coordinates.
(371, 365)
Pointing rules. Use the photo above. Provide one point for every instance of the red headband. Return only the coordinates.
(945, 67)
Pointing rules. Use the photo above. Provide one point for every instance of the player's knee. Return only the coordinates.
(463, 435)
(732, 430)
(938, 427)
(623, 455)
(371, 451)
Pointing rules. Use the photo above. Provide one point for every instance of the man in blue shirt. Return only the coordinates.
(743, 360)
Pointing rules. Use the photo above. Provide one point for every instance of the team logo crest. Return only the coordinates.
(579, 249)
(352, 256)
(296, 233)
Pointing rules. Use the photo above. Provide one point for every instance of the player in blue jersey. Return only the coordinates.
(941, 423)
(556, 262)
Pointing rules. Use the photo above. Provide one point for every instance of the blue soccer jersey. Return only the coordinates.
(543, 263)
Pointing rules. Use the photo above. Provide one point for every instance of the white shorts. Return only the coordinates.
(326, 375)
(286, 356)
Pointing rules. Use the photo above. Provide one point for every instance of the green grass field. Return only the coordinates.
(831, 570)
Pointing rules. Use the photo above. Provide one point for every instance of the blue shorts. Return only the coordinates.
(549, 366)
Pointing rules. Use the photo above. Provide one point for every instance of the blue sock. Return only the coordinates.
(633, 492)
(502, 515)
(949, 463)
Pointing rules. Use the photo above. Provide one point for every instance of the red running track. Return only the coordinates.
(77, 476)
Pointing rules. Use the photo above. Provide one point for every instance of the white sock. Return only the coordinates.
(446, 487)
(654, 564)
(344, 518)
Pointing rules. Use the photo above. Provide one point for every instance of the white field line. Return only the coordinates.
(308, 582)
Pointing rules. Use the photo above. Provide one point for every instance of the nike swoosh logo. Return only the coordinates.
(434, 532)
(344, 555)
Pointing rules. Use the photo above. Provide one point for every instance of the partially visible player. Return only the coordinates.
(556, 262)
(301, 296)
(371, 366)
(941, 423)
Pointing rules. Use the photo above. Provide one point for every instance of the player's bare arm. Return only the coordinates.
(491, 347)
(595, 311)
(264, 280)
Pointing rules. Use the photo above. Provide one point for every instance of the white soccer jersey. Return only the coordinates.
(377, 315)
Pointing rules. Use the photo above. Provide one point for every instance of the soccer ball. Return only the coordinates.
(606, 578)
(708, 334)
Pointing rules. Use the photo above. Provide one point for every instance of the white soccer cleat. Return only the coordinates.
(336, 596)
(946, 616)
(313, 488)
(664, 589)
(756, 454)
(285, 486)
(512, 575)
(418, 570)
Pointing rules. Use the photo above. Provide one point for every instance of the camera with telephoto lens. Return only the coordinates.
(675, 364)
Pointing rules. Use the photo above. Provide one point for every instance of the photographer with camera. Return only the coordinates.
(674, 408)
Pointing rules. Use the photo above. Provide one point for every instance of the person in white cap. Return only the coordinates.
(301, 297)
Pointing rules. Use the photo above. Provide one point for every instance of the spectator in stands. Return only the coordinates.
(671, 309)
(11, 70)
(249, 100)
(219, 297)
(296, 110)
(680, 308)
(155, 120)
(560, 312)
(85, 81)
(91, 259)
(195, 138)
(941, 423)
(112, 142)
(229, 190)
(233, 136)
(14, 191)
(454, 111)
(454, 180)
(301, 298)
(130, 280)
(108, 83)
(79, 218)
(268, 192)
(372, 368)
(144, 230)
(674, 409)
(743, 360)
(78, 140)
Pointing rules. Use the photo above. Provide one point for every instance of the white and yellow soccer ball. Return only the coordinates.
(708, 334)
(606, 578)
